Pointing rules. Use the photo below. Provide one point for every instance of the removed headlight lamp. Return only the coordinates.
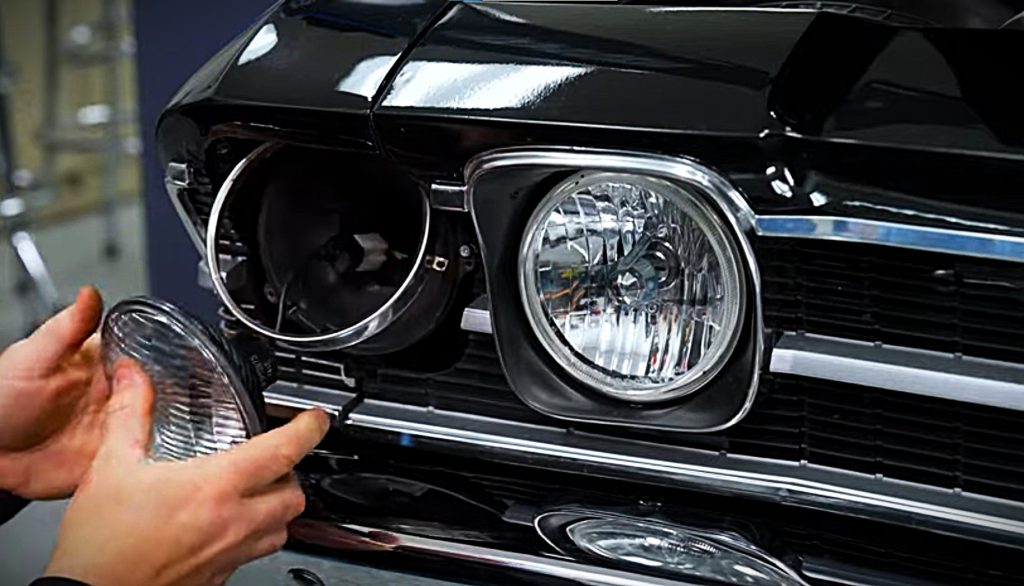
(208, 390)
(632, 284)
(663, 548)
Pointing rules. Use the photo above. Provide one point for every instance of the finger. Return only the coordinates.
(129, 412)
(65, 332)
(267, 457)
(274, 508)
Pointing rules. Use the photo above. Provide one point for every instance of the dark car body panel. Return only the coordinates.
(805, 113)
(854, 109)
(268, 83)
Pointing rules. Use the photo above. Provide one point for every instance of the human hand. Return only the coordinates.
(134, 521)
(52, 397)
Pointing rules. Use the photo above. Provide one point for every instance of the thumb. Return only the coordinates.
(65, 332)
(129, 412)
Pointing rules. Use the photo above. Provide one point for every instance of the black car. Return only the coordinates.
(628, 293)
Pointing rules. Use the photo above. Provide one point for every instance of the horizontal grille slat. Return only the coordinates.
(973, 307)
(474, 384)
(943, 443)
(947, 444)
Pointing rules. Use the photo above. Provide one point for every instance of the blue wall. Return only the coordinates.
(174, 39)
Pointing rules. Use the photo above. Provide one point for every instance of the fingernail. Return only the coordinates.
(323, 419)
(125, 373)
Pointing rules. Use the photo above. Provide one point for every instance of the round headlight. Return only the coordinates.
(208, 391)
(632, 284)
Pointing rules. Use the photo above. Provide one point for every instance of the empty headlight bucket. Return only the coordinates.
(336, 248)
(632, 284)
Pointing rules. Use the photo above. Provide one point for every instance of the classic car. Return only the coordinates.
(629, 293)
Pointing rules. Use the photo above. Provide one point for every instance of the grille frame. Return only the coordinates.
(704, 464)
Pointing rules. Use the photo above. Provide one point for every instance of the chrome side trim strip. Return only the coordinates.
(301, 397)
(977, 244)
(980, 517)
(477, 316)
(905, 370)
(553, 567)
(477, 320)
(448, 196)
(177, 179)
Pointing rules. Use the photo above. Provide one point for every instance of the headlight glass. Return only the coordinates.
(205, 401)
(632, 284)
(719, 558)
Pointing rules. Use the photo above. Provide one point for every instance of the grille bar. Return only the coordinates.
(919, 372)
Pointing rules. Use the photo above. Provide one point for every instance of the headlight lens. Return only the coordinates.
(720, 558)
(206, 398)
(632, 284)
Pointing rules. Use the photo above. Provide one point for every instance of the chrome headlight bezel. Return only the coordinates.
(631, 389)
(504, 187)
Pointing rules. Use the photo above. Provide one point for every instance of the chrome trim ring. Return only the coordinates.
(731, 205)
(722, 245)
(349, 336)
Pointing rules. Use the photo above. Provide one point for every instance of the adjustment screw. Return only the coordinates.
(466, 250)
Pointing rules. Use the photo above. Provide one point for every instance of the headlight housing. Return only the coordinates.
(331, 249)
(632, 284)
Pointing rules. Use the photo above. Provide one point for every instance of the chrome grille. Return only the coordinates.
(900, 297)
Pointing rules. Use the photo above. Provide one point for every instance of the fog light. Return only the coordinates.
(633, 285)
(663, 548)
(208, 391)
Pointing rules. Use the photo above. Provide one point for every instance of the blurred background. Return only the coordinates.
(71, 156)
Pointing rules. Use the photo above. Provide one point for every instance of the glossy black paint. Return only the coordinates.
(747, 73)
(858, 111)
(900, 118)
(307, 72)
